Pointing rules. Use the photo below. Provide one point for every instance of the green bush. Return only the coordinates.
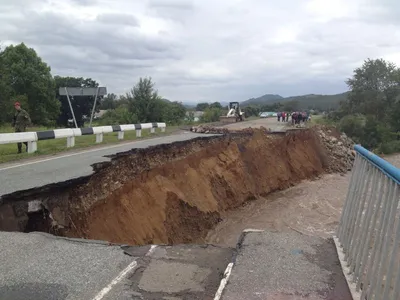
(353, 126)
(389, 147)
(120, 115)
(211, 115)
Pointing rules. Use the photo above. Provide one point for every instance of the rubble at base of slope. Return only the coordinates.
(339, 147)
(209, 129)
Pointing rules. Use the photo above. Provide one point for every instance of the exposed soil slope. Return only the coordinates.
(180, 200)
(176, 193)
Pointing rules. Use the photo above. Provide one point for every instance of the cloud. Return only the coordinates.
(118, 19)
(205, 50)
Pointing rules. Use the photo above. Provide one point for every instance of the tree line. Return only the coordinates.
(26, 78)
(371, 112)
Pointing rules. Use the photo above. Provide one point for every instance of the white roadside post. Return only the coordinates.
(65, 133)
(20, 137)
(32, 147)
(31, 138)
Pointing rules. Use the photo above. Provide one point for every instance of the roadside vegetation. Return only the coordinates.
(8, 152)
(370, 114)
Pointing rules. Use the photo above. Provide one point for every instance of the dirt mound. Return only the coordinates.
(209, 129)
(221, 130)
(175, 193)
(339, 148)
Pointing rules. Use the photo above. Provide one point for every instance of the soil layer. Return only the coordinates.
(175, 193)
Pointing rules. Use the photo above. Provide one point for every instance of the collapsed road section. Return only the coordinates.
(170, 194)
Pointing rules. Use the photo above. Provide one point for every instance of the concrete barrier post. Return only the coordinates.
(162, 129)
(99, 138)
(32, 147)
(70, 141)
(120, 135)
(138, 132)
(152, 130)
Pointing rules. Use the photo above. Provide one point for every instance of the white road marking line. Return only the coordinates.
(77, 153)
(117, 279)
(224, 281)
(120, 276)
(151, 250)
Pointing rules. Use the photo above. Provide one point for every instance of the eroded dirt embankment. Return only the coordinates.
(175, 193)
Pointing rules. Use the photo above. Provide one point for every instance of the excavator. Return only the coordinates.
(235, 114)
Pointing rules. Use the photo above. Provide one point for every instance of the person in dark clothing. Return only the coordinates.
(299, 118)
(20, 122)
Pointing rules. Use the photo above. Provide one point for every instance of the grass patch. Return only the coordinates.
(8, 152)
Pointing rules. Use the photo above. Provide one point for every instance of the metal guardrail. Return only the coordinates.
(368, 236)
(31, 138)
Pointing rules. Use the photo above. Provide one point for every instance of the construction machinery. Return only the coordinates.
(235, 114)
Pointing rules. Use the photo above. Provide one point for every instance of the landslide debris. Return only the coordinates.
(175, 193)
(221, 130)
(339, 148)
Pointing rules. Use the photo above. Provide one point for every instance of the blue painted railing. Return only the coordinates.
(368, 235)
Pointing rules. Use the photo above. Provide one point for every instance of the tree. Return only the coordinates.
(174, 113)
(202, 106)
(120, 115)
(144, 101)
(251, 111)
(24, 74)
(370, 114)
(291, 106)
(81, 105)
(215, 105)
(5, 103)
(373, 88)
(109, 102)
(211, 115)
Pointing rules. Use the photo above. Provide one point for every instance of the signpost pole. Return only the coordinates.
(94, 107)
(70, 106)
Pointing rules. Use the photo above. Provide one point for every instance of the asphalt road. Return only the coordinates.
(41, 171)
(286, 266)
(41, 266)
(58, 168)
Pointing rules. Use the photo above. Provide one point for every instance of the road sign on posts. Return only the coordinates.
(82, 91)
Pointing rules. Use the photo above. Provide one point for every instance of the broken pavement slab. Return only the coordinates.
(286, 266)
(42, 266)
(182, 272)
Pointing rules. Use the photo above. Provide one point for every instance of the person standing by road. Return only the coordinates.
(20, 122)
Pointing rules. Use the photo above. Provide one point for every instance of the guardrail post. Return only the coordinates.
(99, 137)
(70, 141)
(32, 147)
(32, 137)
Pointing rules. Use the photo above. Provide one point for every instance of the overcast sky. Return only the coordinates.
(207, 50)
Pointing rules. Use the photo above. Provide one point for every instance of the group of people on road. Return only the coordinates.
(297, 117)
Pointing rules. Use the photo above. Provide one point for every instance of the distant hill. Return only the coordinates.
(311, 101)
(265, 99)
